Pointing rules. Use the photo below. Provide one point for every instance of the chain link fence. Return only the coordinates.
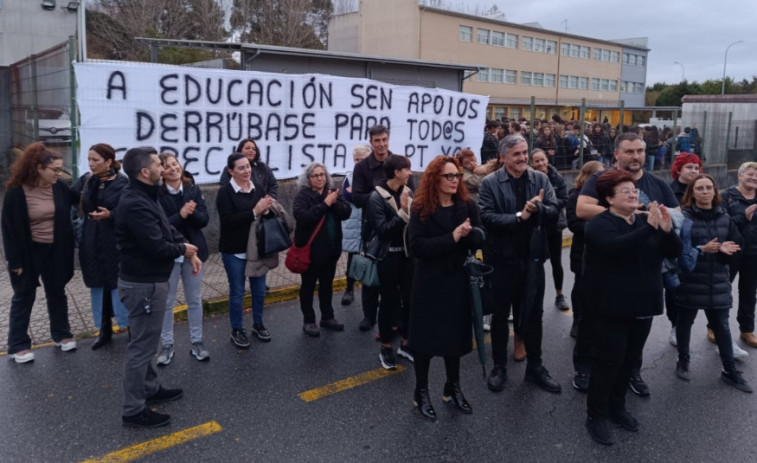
(723, 137)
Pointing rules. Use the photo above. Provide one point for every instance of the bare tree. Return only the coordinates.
(292, 23)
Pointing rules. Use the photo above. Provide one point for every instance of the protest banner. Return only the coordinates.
(201, 114)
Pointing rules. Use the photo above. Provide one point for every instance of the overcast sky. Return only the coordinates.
(693, 32)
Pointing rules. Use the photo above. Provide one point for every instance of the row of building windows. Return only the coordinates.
(633, 60)
(540, 79)
(503, 39)
(601, 54)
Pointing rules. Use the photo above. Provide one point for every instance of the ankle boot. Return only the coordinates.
(422, 402)
(106, 333)
(452, 392)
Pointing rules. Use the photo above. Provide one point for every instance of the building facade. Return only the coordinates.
(32, 26)
(516, 62)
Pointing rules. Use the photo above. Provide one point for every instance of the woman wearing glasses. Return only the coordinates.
(705, 281)
(39, 241)
(440, 238)
(623, 268)
(318, 202)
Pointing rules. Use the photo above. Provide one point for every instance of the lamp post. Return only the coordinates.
(725, 60)
(683, 72)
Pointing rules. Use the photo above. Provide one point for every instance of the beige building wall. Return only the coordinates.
(344, 33)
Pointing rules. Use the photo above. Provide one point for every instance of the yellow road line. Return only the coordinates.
(144, 449)
(348, 383)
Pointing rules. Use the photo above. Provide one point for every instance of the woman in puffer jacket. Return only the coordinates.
(710, 242)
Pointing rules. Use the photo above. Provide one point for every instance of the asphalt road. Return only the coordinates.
(66, 407)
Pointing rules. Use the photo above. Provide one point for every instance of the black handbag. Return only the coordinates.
(272, 235)
(365, 270)
(78, 217)
(539, 246)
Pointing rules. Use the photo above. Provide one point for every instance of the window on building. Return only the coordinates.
(549, 80)
(632, 60)
(466, 33)
(623, 86)
(583, 83)
(551, 47)
(584, 53)
(498, 39)
(511, 77)
(604, 85)
(639, 60)
(639, 87)
(596, 53)
(565, 49)
(625, 58)
(499, 112)
(614, 56)
(575, 50)
(539, 45)
(538, 79)
(527, 43)
(606, 55)
(495, 75)
(483, 36)
(514, 113)
(573, 82)
(483, 75)
(613, 85)
(563, 81)
(595, 84)
(511, 41)
(525, 77)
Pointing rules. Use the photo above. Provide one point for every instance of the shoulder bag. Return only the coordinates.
(298, 258)
(272, 236)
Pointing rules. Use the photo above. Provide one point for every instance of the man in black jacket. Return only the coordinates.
(367, 174)
(148, 246)
(514, 201)
(489, 145)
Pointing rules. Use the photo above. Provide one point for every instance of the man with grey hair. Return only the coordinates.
(515, 201)
(148, 246)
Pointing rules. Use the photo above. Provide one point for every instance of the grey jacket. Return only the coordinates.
(496, 202)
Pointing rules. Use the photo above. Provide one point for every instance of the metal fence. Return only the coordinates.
(42, 101)
(724, 138)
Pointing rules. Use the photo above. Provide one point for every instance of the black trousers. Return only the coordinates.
(671, 309)
(554, 241)
(370, 302)
(615, 344)
(717, 321)
(324, 275)
(582, 316)
(23, 301)
(747, 267)
(422, 364)
(509, 290)
(395, 277)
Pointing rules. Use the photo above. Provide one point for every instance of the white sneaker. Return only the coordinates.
(404, 353)
(672, 338)
(66, 346)
(738, 352)
(487, 322)
(23, 358)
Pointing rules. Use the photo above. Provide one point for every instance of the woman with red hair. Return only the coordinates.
(685, 168)
(39, 241)
(440, 314)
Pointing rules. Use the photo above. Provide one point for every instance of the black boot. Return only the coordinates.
(452, 392)
(106, 333)
(422, 402)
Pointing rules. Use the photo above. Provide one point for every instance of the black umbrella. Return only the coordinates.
(475, 269)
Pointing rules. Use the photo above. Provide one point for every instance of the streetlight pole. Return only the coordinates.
(725, 60)
(683, 72)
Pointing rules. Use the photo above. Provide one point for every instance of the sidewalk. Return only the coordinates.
(215, 290)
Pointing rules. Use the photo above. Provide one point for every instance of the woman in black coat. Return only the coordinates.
(318, 200)
(554, 231)
(440, 312)
(38, 241)
(99, 191)
(623, 281)
(262, 175)
(705, 282)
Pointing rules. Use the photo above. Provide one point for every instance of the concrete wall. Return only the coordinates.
(25, 28)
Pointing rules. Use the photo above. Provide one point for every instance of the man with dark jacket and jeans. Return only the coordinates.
(367, 174)
(148, 247)
(513, 201)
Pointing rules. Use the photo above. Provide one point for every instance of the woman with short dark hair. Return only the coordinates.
(705, 282)
(39, 242)
(623, 268)
(262, 175)
(440, 313)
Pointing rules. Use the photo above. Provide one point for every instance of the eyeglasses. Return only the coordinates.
(57, 170)
(629, 191)
(318, 175)
(452, 177)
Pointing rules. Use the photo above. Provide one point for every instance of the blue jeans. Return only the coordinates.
(649, 165)
(119, 309)
(193, 296)
(235, 273)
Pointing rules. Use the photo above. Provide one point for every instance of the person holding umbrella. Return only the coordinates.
(440, 314)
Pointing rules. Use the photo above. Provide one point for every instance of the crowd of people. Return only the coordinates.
(637, 241)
